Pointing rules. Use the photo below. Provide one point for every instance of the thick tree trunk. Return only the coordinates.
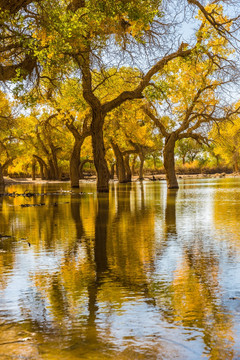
(127, 167)
(112, 171)
(120, 163)
(141, 167)
(80, 169)
(1, 177)
(74, 164)
(44, 172)
(100, 162)
(33, 169)
(42, 176)
(117, 169)
(55, 166)
(133, 164)
(51, 170)
(169, 162)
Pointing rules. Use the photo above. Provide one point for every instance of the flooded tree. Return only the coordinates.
(190, 103)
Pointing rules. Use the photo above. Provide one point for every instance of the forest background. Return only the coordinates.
(117, 88)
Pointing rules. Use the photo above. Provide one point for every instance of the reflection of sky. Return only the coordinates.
(196, 227)
(142, 326)
(19, 282)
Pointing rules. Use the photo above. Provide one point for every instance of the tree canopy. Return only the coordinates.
(90, 61)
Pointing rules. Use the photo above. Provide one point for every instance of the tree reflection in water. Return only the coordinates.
(195, 291)
(107, 294)
(170, 212)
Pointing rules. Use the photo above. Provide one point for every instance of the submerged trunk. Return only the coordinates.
(169, 162)
(33, 169)
(41, 171)
(55, 165)
(112, 171)
(51, 170)
(133, 164)
(1, 177)
(74, 164)
(120, 163)
(127, 167)
(100, 162)
(141, 167)
(43, 167)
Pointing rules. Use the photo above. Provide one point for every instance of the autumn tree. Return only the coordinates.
(7, 143)
(188, 149)
(18, 60)
(74, 113)
(81, 35)
(184, 101)
(226, 142)
(63, 100)
(129, 132)
(85, 36)
(45, 141)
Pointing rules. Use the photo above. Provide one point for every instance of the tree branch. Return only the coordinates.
(137, 93)
(156, 121)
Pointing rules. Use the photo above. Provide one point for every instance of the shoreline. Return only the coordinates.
(160, 177)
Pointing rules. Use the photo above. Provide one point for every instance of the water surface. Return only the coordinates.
(139, 273)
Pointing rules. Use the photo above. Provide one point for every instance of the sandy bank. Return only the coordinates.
(18, 181)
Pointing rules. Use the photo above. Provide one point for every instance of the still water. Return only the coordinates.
(139, 273)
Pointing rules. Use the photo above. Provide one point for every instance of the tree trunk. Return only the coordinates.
(169, 162)
(133, 164)
(141, 167)
(33, 169)
(41, 171)
(1, 177)
(127, 167)
(112, 171)
(6, 164)
(74, 164)
(44, 172)
(80, 169)
(51, 170)
(120, 163)
(55, 165)
(100, 162)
